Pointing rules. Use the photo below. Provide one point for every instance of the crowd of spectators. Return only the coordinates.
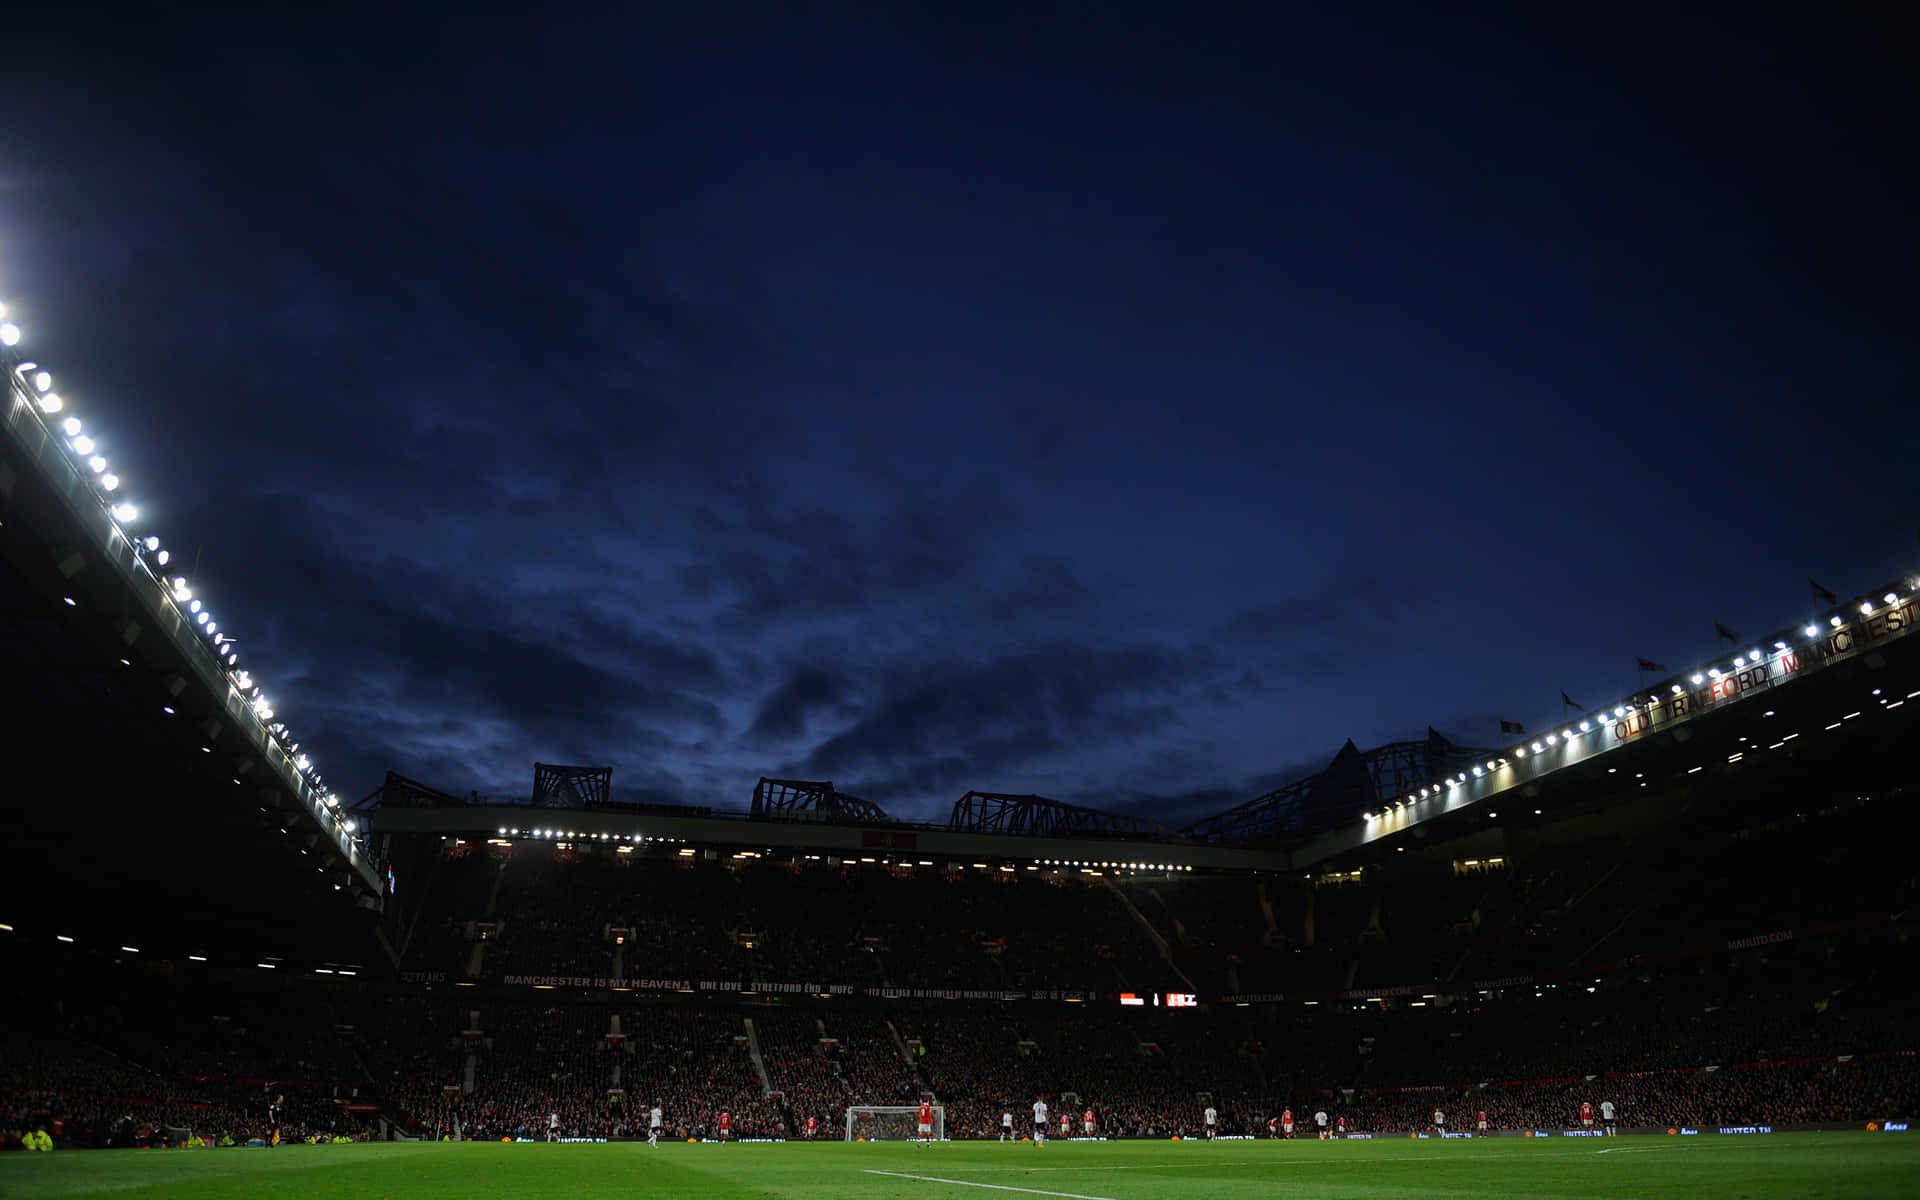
(1809, 1028)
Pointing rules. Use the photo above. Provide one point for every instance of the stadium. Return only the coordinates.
(1680, 919)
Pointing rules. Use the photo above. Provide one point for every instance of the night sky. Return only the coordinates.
(1084, 403)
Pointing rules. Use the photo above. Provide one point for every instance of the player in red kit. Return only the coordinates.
(1286, 1123)
(1273, 1127)
(726, 1126)
(813, 1125)
(1586, 1114)
(1066, 1127)
(1086, 1120)
(1340, 1127)
(1481, 1124)
(926, 1124)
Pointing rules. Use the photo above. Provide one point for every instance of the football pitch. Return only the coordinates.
(1797, 1166)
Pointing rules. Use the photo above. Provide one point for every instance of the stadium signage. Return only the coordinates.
(1895, 1127)
(1770, 670)
(1747, 1129)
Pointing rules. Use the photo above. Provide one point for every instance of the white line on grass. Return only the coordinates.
(1630, 1150)
(1167, 1166)
(997, 1187)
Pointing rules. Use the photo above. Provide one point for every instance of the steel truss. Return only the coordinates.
(571, 787)
(1355, 782)
(801, 800)
(1000, 812)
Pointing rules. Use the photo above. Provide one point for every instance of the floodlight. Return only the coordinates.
(97, 465)
(1890, 598)
(1836, 622)
(71, 425)
(51, 402)
(42, 381)
(109, 481)
(9, 334)
(125, 512)
(82, 444)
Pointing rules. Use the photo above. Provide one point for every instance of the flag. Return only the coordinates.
(1569, 702)
(1647, 664)
(1512, 727)
(1822, 593)
(1724, 632)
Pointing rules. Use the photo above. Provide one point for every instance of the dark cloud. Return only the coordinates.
(783, 714)
(855, 401)
(931, 728)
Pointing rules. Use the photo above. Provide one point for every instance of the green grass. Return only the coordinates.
(1789, 1166)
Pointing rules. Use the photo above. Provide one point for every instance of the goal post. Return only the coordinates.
(892, 1122)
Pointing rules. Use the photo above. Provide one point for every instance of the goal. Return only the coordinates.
(892, 1122)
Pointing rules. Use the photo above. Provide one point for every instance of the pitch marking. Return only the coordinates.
(1166, 1166)
(997, 1187)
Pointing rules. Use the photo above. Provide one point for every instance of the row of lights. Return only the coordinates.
(571, 835)
(270, 964)
(1813, 632)
(38, 383)
(1124, 866)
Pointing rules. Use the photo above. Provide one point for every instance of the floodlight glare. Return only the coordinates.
(1812, 631)
(109, 481)
(151, 542)
(51, 402)
(97, 465)
(71, 425)
(83, 444)
(1699, 679)
(161, 558)
(9, 334)
(125, 512)
(200, 618)
(1676, 689)
(43, 381)
(1836, 622)
(1890, 598)
(1866, 607)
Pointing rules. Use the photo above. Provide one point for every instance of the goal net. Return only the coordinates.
(892, 1122)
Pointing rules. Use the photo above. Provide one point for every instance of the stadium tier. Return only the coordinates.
(1693, 904)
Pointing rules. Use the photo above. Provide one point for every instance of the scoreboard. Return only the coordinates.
(1159, 999)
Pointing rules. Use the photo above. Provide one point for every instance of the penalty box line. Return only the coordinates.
(997, 1187)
